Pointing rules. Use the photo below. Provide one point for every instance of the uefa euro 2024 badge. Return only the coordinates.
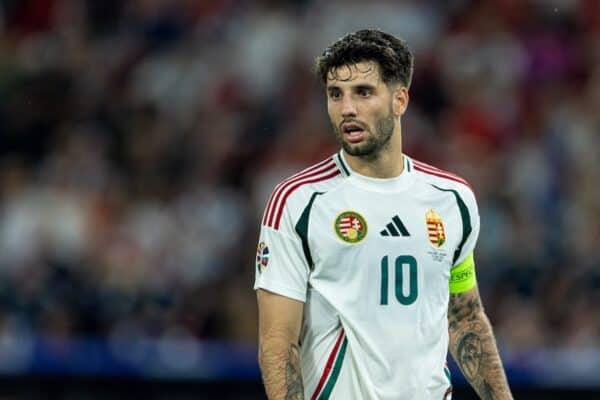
(436, 234)
(262, 256)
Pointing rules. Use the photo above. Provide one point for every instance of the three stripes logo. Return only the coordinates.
(395, 228)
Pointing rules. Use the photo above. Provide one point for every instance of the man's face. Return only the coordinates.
(360, 107)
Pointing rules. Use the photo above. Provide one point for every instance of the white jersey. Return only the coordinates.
(371, 260)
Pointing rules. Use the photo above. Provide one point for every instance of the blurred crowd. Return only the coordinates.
(140, 140)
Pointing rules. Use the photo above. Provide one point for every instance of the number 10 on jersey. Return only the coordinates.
(405, 269)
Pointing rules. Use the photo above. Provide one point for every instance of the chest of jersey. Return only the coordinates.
(392, 250)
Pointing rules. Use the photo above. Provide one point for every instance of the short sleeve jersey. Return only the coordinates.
(371, 260)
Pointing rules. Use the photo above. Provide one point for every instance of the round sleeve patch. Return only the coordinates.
(262, 256)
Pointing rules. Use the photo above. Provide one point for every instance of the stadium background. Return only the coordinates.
(140, 140)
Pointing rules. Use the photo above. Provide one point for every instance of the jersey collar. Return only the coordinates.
(400, 182)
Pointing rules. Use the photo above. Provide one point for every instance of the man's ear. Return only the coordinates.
(399, 100)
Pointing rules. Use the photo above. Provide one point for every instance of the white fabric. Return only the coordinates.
(394, 351)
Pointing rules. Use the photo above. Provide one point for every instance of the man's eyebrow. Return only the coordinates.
(364, 86)
(354, 87)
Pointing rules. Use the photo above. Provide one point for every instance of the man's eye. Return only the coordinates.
(334, 94)
(364, 92)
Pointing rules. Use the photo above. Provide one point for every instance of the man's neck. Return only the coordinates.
(389, 163)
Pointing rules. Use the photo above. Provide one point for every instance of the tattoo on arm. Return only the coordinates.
(473, 347)
(469, 354)
(293, 375)
(487, 393)
(463, 308)
(280, 366)
(476, 360)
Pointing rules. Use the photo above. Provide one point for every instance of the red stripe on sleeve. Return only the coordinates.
(271, 202)
(440, 173)
(296, 186)
(284, 189)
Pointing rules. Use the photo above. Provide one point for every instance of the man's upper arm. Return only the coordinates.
(465, 302)
(278, 316)
(281, 281)
(464, 306)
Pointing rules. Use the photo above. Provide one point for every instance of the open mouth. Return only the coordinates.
(353, 132)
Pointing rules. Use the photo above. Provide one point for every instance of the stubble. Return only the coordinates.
(377, 140)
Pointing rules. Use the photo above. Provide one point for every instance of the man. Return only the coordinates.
(365, 273)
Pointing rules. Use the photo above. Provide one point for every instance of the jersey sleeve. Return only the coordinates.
(281, 266)
(470, 221)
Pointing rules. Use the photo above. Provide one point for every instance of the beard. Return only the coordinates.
(377, 139)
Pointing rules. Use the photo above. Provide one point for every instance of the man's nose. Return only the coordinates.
(348, 108)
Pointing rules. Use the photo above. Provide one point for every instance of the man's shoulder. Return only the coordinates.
(442, 179)
(294, 192)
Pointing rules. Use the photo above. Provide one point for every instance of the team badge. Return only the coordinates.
(435, 228)
(262, 256)
(350, 226)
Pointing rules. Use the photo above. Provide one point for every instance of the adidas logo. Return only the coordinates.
(395, 228)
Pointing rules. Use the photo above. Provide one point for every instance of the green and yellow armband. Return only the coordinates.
(462, 277)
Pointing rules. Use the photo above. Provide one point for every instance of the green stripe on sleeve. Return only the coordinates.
(302, 229)
(466, 221)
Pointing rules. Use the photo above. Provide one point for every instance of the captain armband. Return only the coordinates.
(462, 277)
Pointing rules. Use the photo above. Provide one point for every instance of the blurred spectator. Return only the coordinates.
(140, 140)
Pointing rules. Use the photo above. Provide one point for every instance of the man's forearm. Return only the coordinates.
(280, 366)
(474, 349)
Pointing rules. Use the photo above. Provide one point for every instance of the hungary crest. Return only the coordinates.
(435, 228)
(262, 256)
(350, 226)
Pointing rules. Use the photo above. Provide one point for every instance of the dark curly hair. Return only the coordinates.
(391, 54)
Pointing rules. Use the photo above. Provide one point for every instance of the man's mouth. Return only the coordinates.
(353, 132)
